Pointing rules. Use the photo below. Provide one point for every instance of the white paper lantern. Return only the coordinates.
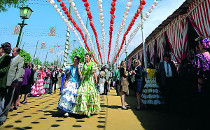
(100, 10)
(63, 17)
(55, 6)
(155, 3)
(58, 10)
(101, 15)
(127, 9)
(52, 2)
(70, 1)
(60, 13)
(147, 14)
(152, 6)
(99, 1)
(72, 4)
(129, 4)
(150, 10)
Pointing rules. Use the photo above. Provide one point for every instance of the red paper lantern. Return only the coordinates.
(111, 12)
(84, 0)
(64, 8)
(59, 0)
(143, 2)
(70, 18)
(113, 8)
(68, 15)
(66, 12)
(88, 8)
(113, 4)
(141, 7)
(112, 16)
(86, 4)
(114, 0)
(62, 4)
(112, 21)
(138, 11)
(88, 13)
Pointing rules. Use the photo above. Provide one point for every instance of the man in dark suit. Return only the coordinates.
(54, 77)
(16, 67)
(167, 79)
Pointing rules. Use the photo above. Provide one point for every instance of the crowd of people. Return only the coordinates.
(82, 83)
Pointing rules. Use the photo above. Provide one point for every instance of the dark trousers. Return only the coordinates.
(54, 81)
(5, 103)
(117, 83)
(105, 88)
(167, 92)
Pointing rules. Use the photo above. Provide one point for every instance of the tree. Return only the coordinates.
(25, 55)
(77, 52)
(46, 63)
(4, 4)
(37, 62)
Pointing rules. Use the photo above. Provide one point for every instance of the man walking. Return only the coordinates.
(16, 67)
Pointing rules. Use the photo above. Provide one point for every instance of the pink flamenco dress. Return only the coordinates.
(38, 87)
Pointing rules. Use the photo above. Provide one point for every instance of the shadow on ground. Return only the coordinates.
(159, 119)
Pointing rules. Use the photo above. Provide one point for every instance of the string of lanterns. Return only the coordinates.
(111, 26)
(143, 2)
(90, 17)
(101, 18)
(64, 8)
(139, 26)
(82, 25)
(52, 2)
(127, 8)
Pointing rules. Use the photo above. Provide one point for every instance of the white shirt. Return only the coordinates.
(14, 58)
(168, 70)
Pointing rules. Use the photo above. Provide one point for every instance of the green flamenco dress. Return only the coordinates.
(87, 101)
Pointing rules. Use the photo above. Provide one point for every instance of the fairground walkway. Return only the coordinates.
(40, 113)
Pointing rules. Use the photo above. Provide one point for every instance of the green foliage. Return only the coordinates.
(47, 63)
(25, 55)
(5, 4)
(78, 52)
(37, 61)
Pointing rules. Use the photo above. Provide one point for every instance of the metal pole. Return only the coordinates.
(143, 41)
(21, 39)
(46, 58)
(67, 43)
(126, 56)
(21, 28)
(36, 49)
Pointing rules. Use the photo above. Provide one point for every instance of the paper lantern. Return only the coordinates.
(58, 10)
(141, 7)
(64, 8)
(62, 4)
(99, 1)
(155, 3)
(52, 2)
(60, 13)
(86, 4)
(112, 16)
(152, 7)
(66, 12)
(87, 8)
(113, 8)
(88, 13)
(150, 10)
(59, 0)
(113, 4)
(84, 0)
(72, 4)
(143, 2)
(55, 6)
(111, 12)
(129, 4)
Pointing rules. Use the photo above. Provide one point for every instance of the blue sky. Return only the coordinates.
(45, 16)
